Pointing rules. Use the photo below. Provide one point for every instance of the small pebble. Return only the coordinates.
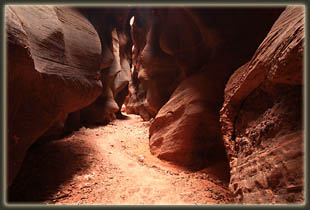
(141, 158)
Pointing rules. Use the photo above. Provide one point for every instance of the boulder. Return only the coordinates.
(186, 130)
(261, 118)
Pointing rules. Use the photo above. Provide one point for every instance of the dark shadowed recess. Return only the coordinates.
(45, 168)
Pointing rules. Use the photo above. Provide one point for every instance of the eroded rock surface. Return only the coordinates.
(115, 77)
(68, 66)
(186, 129)
(136, 102)
(183, 131)
(176, 43)
(262, 117)
(53, 57)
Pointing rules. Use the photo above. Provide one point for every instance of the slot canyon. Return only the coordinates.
(155, 105)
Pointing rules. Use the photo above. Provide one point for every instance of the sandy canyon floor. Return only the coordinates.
(112, 165)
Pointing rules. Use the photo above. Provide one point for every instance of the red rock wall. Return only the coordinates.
(183, 132)
(136, 102)
(51, 71)
(174, 43)
(186, 129)
(55, 58)
(114, 79)
(262, 117)
(181, 62)
(111, 26)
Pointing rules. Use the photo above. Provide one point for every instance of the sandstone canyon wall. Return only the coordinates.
(255, 117)
(112, 23)
(56, 56)
(262, 117)
(171, 44)
(224, 86)
(206, 44)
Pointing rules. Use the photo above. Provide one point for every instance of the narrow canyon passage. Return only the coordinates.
(213, 98)
(112, 164)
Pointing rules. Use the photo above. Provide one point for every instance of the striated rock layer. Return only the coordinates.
(136, 102)
(53, 56)
(171, 44)
(115, 63)
(187, 129)
(114, 74)
(115, 81)
(262, 117)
